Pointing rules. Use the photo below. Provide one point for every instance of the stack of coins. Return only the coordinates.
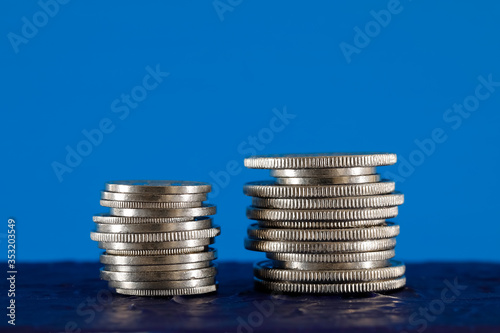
(322, 223)
(157, 238)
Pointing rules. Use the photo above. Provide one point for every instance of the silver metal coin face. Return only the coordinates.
(155, 237)
(320, 247)
(322, 173)
(267, 271)
(319, 266)
(155, 246)
(147, 197)
(327, 181)
(170, 259)
(370, 201)
(158, 186)
(200, 223)
(320, 160)
(270, 189)
(188, 274)
(173, 212)
(168, 292)
(255, 213)
(150, 205)
(333, 257)
(331, 288)
(157, 252)
(112, 219)
(319, 224)
(389, 230)
(157, 268)
(192, 283)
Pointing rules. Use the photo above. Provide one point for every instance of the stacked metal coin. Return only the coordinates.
(157, 238)
(322, 223)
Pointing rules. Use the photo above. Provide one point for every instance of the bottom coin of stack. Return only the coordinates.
(157, 238)
(322, 224)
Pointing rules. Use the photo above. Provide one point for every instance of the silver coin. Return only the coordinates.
(145, 197)
(155, 246)
(150, 205)
(193, 283)
(180, 212)
(201, 223)
(158, 186)
(371, 201)
(322, 173)
(168, 292)
(388, 230)
(117, 260)
(155, 237)
(110, 219)
(157, 252)
(319, 224)
(320, 247)
(255, 213)
(333, 257)
(320, 160)
(269, 189)
(331, 288)
(265, 270)
(326, 181)
(189, 274)
(157, 268)
(318, 266)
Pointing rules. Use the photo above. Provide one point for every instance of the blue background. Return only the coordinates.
(226, 75)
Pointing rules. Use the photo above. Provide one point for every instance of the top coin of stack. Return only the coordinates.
(157, 238)
(322, 222)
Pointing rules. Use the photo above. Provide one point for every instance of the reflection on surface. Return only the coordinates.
(128, 311)
(369, 310)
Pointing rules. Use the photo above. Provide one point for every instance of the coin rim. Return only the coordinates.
(155, 276)
(265, 270)
(204, 210)
(320, 247)
(332, 288)
(255, 213)
(333, 257)
(355, 202)
(191, 188)
(199, 224)
(363, 179)
(118, 260)
(146, 197)
(269, 189)
(389, 230)
(319, 160)
(155, 237)
(322, 173)
(168, 292)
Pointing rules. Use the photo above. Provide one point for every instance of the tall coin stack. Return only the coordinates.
(157, 238)
(322, 223)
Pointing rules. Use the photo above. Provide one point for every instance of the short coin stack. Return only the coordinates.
(322, 224)
(157, 238)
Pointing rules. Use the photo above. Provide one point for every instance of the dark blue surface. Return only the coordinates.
(439, 297)
(227, 74)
